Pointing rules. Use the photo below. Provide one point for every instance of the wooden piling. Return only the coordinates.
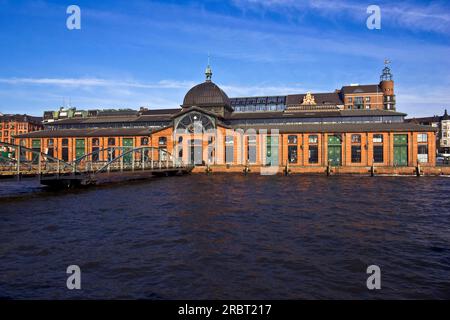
(287, 171)
(208, 169)
(246, 168)
(418, 169)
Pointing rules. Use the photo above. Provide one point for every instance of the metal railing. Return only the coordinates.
(22, 160)
(40, 162)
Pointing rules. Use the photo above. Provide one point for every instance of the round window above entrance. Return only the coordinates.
(194, 122)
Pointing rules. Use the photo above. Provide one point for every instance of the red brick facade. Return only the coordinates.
(364, 143)
(12, 125)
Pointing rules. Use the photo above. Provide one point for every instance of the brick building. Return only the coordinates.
(442, 124)
(11, 125)
(305, 131)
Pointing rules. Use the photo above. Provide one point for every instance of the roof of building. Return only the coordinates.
(433, 119)
(167, 115)
(424, 120)
(155, 118)
(373, 112)
(330, 98)
(342, 127)
(115, 113)
(368, 88)
(244, 101)
(206, 94)
(161, 112)
(198, 109)
(303, 128)
(114, 119)
(103, 132)
(312, 114)
(21, 118)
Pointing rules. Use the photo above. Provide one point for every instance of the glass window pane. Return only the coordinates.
(356, 138)
(423, 137)
(313, 139)
(422, 153)
(377, 138)
(356, 154)
(313, 154)
(229, 149)
(162, 141)
(378, 155)
(292, 139)
(144, 141)
(292, 154)
(251, 149)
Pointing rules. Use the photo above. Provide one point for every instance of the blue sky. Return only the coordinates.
(134, 53)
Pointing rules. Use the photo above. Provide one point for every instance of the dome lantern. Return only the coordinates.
(208, 73)
(208, 96)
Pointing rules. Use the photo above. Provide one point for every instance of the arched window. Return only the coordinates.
(162, 141)
(144, 141)
(95, 142)
(195, 122)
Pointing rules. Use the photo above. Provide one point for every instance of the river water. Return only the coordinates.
(228, 237)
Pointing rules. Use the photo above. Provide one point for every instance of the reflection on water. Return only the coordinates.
(12, 188)
(228, 237)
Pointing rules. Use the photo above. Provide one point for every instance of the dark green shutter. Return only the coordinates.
(36, 144)
(80, 147)
(400, 150)
(128, 143)
(272, 157)
(334, 150)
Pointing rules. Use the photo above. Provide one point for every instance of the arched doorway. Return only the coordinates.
(194, 128)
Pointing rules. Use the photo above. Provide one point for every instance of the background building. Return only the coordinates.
(11, 125)
(379, 96)
(354, 97)
(442, 123)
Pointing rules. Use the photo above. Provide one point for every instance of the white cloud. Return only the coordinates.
(88, 93)
(247, 39)
(123, 87)
(111, 93)
(431, 16)
(96, 82)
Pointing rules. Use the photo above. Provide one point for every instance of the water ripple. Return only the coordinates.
(228, 237)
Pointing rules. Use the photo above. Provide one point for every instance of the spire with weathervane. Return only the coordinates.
(387, 74)
(208, 71)
(387, 87)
